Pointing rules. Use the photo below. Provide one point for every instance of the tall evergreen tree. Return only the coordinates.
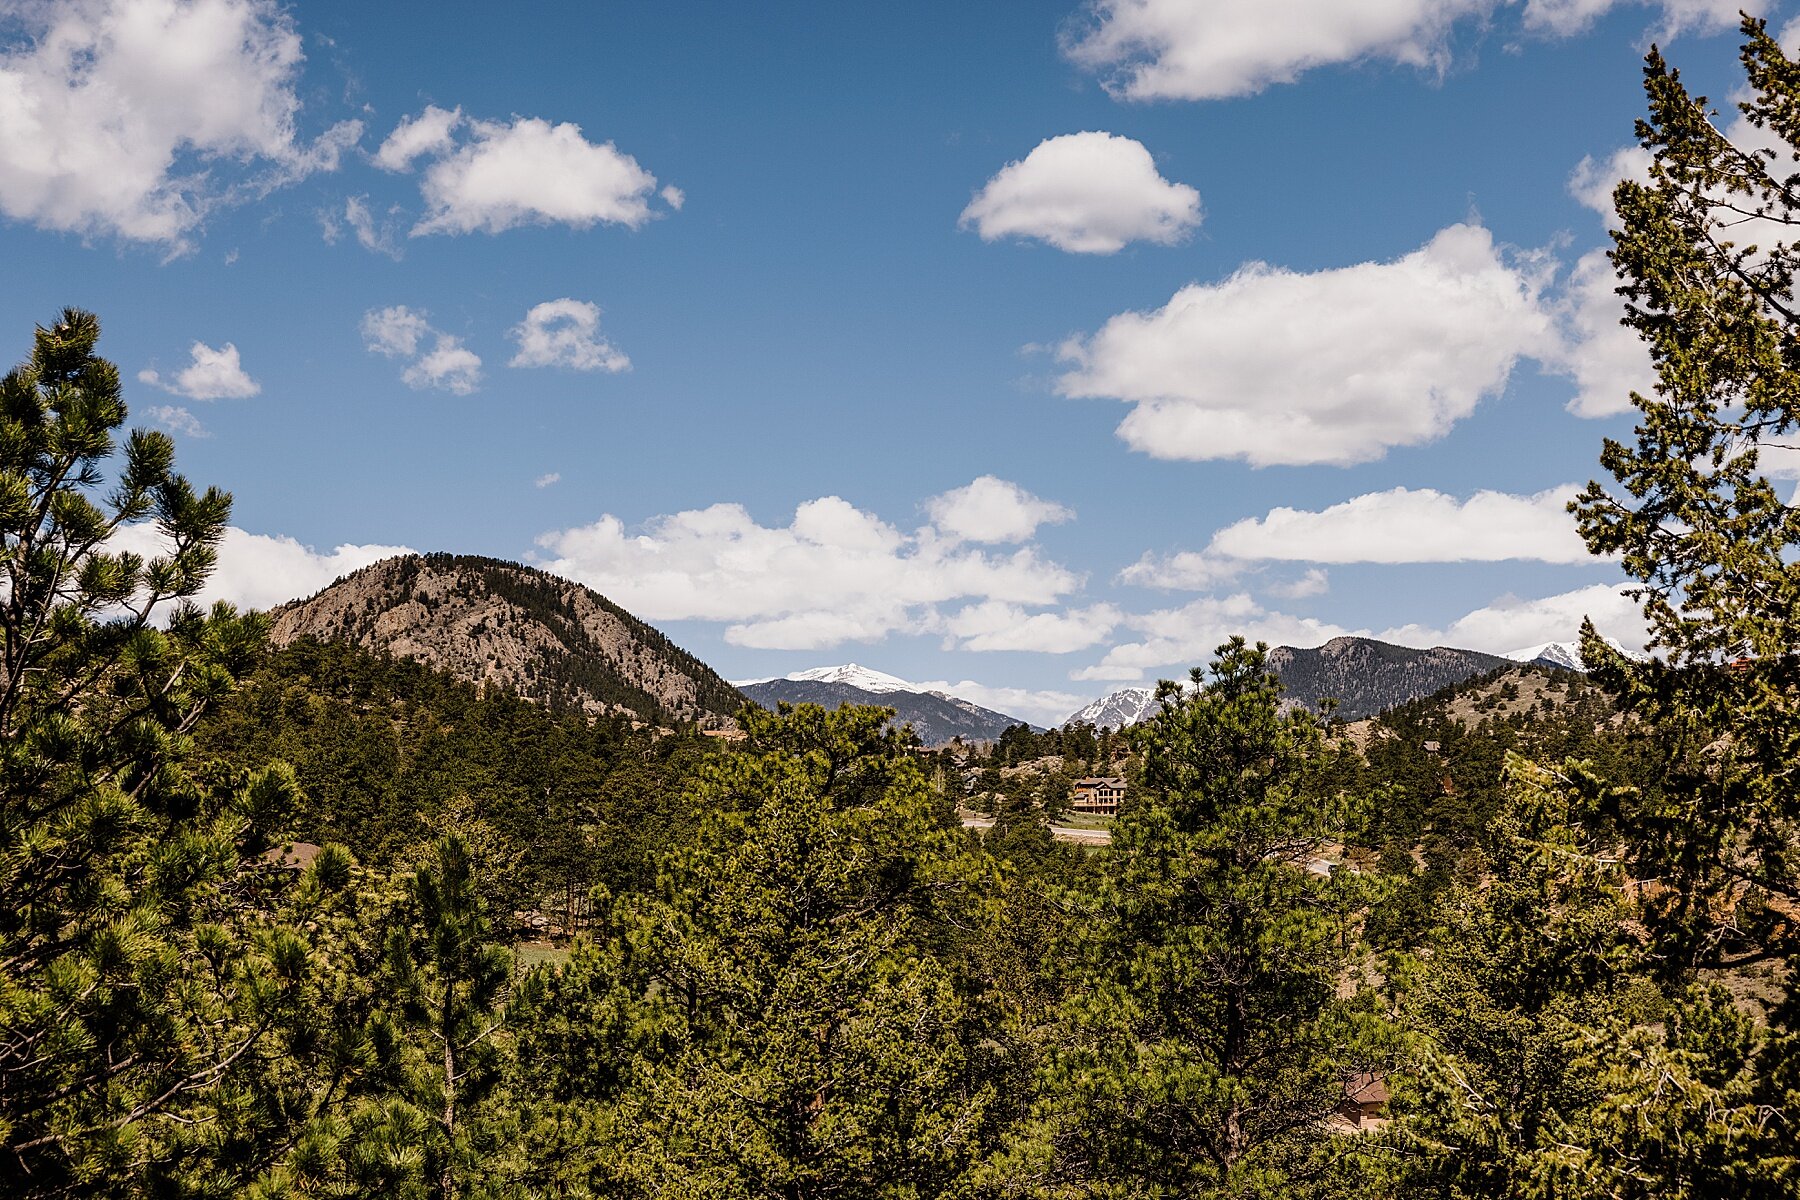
(1684, 1090)
(802, 1040)
(1205, 1047)
(1706, 251)
(450, 983)
(152, 980)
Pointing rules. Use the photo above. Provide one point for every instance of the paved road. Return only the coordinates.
(1062, 833)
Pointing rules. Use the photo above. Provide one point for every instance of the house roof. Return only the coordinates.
(1096, 781)
(1366, 1087)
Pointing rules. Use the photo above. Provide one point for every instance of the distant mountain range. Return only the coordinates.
(512, 626)
(564, 645)
(936, 717)
(1365, 677)
(849, 674)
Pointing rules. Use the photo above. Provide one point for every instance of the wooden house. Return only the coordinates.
(1100, 795)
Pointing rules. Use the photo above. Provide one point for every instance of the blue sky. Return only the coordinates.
(929, 336)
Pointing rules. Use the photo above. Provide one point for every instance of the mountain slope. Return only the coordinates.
(1127, 706)
(499, 623)
(1564, 654)
(1366, 676)
(935, 717)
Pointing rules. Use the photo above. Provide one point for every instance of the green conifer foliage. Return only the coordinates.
(1630, 1070)
(801, 1039)
(449, 985)
(1205, 1046)
(1706, 251)
(152, 981)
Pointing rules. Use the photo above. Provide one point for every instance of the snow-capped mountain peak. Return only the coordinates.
(858, 677)
(1127, 706)
(1563, 654)
(848, 673)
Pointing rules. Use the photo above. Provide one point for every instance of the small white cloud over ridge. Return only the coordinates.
(993, 510)
(258, 570)
(832, 574)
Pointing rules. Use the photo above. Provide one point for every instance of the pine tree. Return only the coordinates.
(1683, 1091)
(1205, 1045)
(450, 985)
(801, 1038)
(154, 974)
(1708, 264)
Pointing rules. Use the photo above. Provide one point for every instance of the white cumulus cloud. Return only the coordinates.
(1593, 180)
(1087, 193)
(135, 118)
(260, 571)
(832, 574)
(1315, 582)
(526, 171)
(374, 235)
(997, 625)
(1414, 525)
(448, 366)
(211, 375)
(426, 134)
(565, 333)
(1206, 49)
(1510, 623)
(993, 510)
(395, 332)
(1563, 18)
(1185, 570)
(1336, 366)
(437, 359)
(177, 419)
(1607, 359)
(1171, 640)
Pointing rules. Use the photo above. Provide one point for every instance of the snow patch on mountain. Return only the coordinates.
(1564, 654)
(1127, 706)
(847, 673)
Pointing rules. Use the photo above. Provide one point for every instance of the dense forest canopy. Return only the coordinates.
(324, 922)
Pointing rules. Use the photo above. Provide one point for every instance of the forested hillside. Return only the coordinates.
(1531, 938)
(1364, 676)
(390, 754)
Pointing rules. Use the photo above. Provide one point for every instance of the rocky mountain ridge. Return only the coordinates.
(1366, 676)
(503, 624)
